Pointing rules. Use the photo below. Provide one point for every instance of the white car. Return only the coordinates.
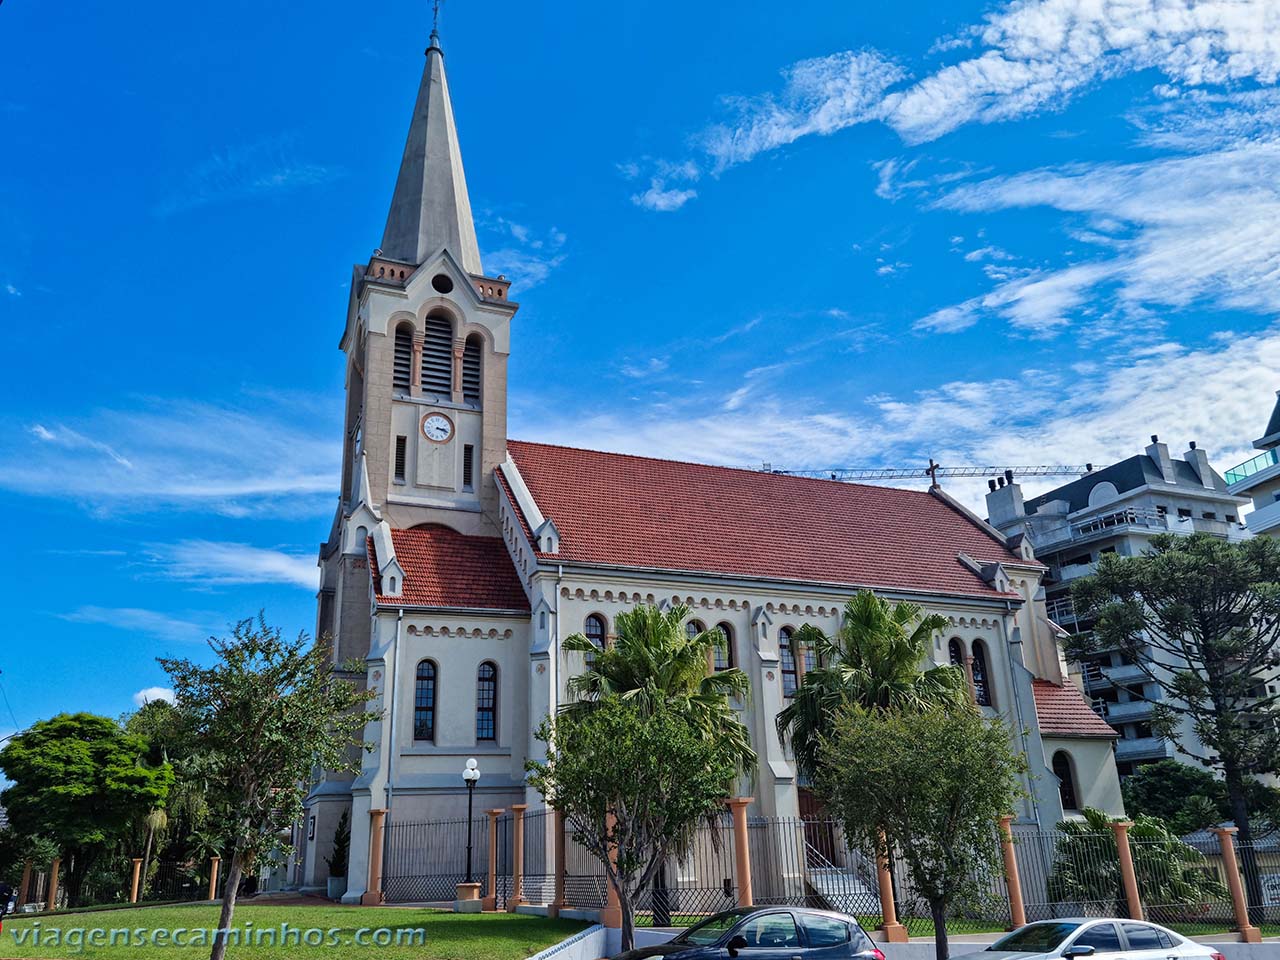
(1107, 938)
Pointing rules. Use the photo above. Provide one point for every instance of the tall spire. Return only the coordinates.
(430, 208)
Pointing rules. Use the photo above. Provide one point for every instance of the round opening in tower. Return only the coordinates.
(442, 282)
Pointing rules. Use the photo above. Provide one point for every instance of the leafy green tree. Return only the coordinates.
(263, 716)
(876, 659)
(179, 831)
(1188, 798)
(654, 664)
(633, 779)
(79, 780)
(1086, 866)
(929, 782)
(16, 849)
(1200, 617)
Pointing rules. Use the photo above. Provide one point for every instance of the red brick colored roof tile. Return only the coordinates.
(621, 510)
(443, 568)
(1063, 712)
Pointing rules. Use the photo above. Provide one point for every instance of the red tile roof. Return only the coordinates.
(1063, 712)
(622, 510)
(443, 568)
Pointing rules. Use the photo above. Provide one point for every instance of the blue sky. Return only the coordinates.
(812, 234)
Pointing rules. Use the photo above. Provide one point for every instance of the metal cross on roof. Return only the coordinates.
(933, 472)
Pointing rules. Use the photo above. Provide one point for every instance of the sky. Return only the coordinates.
(810, 234)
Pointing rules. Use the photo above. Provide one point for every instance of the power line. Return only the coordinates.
(12, 716)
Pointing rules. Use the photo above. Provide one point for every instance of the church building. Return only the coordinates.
(460, 558)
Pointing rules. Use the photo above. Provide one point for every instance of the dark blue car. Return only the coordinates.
(767, 933)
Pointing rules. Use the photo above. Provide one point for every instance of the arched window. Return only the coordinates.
(724, 654)
(955, 652)
(693, 628)
(402, 368)
(981, 677)
(437, 356)
(471, 369)
(424, 703)
(595, 630)
(786, 654)
(1066, 780)
(487, 702)
(811, 659)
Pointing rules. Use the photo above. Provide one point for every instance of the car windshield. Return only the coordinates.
(709, 930)
(1036, 937)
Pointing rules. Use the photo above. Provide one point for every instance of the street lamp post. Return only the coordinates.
(470, 775)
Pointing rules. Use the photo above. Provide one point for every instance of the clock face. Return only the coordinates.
(437, 428)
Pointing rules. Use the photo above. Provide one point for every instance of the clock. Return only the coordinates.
(437, 428)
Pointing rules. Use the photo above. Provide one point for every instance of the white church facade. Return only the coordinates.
(460, 558)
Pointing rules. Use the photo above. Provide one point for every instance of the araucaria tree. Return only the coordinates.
(79, 780)
(264, 715)
(632, 781)
(877, 659)
(1200, 617)
(929, 783)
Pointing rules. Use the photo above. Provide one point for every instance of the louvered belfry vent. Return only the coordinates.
(471, 370)
(437, 357)
(402, 371)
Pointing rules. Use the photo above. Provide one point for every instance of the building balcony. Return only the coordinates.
(1251, 467)
(1265, 519)
(1141, 748)
(1113, 523)
(1098, 677)
(1125, 712)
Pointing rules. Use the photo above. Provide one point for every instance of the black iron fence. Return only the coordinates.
(425, 862)
(696, 884)
(808, 862)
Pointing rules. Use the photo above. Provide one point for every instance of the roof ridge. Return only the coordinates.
(720, 466)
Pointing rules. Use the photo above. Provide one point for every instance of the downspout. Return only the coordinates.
(555, 648)
(1017, 706)
(391, 709)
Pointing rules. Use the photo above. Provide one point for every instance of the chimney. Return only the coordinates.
(1005, 510)
(1159, 452)
(1199, 461)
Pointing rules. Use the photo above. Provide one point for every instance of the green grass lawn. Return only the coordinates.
(413, 934)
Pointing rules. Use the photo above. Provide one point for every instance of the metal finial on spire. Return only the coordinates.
(435, 25)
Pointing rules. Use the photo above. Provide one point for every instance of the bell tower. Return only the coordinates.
(426, 342)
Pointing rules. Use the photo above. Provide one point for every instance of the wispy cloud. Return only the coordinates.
(1175, 231)
(222, 458)
(1027, 56)
(661, 198)
(213, 563)
(644, 369)
(1098, 412)
(150, 623)
(11, 290)
(529, 256)
(151, 694)
(240, 172)
(819, 96)
(71, 440)
(1038, 53)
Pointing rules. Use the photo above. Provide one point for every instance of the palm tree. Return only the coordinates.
(655, 662)
(875, 661)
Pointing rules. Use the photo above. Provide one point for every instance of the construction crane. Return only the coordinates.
(935, 471)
